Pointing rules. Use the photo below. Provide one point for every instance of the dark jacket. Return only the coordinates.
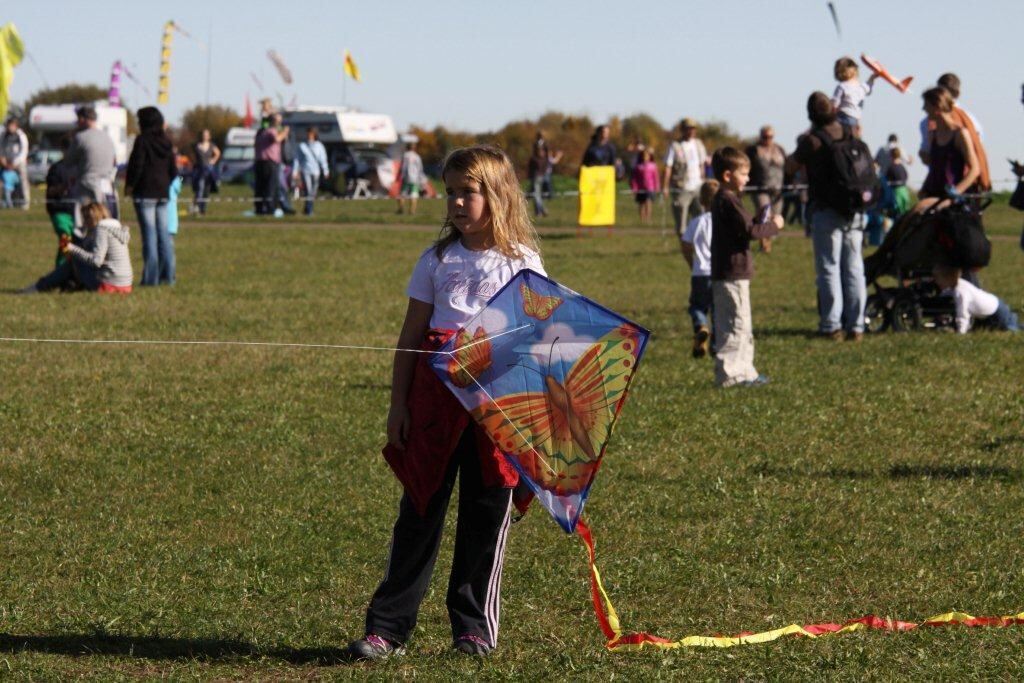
(732, 228)
(151, 166)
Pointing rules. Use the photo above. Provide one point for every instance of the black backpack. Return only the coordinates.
(851, 185)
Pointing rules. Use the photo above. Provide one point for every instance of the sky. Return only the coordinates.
(477, 65)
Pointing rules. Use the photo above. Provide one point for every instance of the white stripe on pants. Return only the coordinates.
(734, 332)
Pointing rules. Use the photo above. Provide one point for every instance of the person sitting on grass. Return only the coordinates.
(732, 268)
(99, 264)
(696, 245)
(973, 304)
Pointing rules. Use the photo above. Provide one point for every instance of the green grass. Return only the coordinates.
(234, 200)
(223, 513)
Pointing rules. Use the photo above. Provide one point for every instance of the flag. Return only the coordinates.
(351, 70)
(247, 121)
(12, 51)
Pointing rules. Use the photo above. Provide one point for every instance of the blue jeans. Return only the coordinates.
(839, 266)
(538, 196)
(311, 181)
(157, 247)
(700, 300)
(1004, 318)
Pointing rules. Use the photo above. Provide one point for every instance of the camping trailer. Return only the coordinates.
(356, 144)
(54, 120)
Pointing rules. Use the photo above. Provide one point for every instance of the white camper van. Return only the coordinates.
(356, 144)
(238, 155)
(54, 120)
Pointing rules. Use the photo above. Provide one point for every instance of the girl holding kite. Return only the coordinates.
(487, 238)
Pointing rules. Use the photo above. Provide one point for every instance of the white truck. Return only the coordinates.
(356, 143)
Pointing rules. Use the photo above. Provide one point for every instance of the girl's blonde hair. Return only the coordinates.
(94, 212)
(510, 223)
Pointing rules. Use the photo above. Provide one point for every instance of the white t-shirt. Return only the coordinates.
(698, 233)
(462, 281)
(972, 302)
(695, 156)
(849, 98)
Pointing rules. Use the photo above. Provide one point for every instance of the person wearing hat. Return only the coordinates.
(92, 162)
(684, 173)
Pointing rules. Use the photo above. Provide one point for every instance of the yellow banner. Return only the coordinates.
(12, 50)
(597, 195)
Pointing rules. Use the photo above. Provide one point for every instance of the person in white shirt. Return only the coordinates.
(14, 156)
(974, 305)
(684, 172)
(848, 99)
(696, 245)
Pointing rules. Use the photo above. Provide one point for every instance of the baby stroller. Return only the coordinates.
(947, 234)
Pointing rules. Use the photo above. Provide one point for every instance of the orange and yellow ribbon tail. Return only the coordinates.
(608, 619)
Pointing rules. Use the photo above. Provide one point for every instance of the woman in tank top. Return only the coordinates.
(953, 167)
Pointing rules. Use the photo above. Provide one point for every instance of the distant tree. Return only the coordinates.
(218, 118)
(72, 93)
(716, 134)
(645, 129)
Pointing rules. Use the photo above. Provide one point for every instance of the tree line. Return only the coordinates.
(569, 133)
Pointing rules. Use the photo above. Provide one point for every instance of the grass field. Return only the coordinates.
(223, 513)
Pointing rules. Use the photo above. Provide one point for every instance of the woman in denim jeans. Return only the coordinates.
(151, 169)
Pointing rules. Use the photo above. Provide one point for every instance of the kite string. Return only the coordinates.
(214, 342)
(199, 342)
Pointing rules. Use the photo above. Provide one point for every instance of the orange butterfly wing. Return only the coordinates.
(470, 358)
(531, 429)
(537, 305)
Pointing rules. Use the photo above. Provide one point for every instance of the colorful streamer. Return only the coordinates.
(114, 92)
(282, 68)
(617, 640)
(164, 83)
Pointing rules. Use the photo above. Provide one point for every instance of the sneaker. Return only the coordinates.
(469, 644)
(758, 381)
(700, 342)
(834, 335)
(373, 646)
(855, 336)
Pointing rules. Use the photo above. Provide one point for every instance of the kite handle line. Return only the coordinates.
(201, 342)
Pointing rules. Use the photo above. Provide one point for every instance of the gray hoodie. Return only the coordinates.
(103, 256)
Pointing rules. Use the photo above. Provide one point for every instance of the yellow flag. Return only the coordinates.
(12, 51)
(597, 195)
(351, 70)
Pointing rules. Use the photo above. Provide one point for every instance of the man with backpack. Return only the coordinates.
(841, 184)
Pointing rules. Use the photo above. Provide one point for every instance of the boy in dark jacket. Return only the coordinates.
(732, 267)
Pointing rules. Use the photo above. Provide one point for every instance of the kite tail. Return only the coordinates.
(616, 640)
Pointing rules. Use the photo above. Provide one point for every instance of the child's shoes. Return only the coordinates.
(701, 341)
(372, 646)
(469, 644)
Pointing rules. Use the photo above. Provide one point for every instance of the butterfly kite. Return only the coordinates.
(545, 371)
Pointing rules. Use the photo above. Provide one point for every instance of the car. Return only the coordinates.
(39, 162)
